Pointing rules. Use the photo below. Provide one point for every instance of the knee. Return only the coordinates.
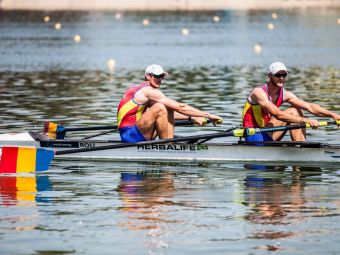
(160, 108)
(295, 111)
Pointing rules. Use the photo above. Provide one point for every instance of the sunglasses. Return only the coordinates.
(279, 75)
(160, 76)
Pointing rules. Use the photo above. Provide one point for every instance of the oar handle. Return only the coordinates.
(192, 122)
(327, 123)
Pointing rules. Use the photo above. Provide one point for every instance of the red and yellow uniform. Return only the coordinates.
(254, 116)
(128, 110)
(129, 113)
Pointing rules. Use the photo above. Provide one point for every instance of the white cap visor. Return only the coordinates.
(155, 69)
(276, 67)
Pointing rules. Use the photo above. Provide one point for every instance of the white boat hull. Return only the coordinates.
(214, 153)
(275, 152)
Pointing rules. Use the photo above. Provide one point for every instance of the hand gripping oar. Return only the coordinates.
(56, 131)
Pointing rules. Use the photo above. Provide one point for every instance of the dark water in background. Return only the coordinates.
(299, 38)
(136, 208)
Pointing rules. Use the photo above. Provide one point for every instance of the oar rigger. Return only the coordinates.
(57, 131)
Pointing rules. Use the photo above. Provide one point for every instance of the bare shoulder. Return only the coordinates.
(152, 93)
(288, 95)
(145, 90)
(258, 90)
(257, 93)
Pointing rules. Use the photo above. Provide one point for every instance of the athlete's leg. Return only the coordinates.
(295, 134)
(171, 122)
(156, 118)
(298, 134)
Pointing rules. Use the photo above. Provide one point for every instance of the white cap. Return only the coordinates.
(155, 69)
(276, 67)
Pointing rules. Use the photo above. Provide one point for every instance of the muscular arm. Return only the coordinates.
(312, 108)
(315, 109)
(179, 116)
(198, 120)
(156, 96)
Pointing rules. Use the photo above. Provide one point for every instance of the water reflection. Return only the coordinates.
(278, 201)
(25, 193)
(23, 190)
(146, 198)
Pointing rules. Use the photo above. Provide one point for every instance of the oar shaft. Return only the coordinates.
(237, 133)
(252, 131)
(70, 129)
(126, 145)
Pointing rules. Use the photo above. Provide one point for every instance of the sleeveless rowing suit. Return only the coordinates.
(129, 112)
(254, 116)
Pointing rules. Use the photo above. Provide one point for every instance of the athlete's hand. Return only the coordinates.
(199, 120)
(336, 118)
(215, 119)
(311, 122)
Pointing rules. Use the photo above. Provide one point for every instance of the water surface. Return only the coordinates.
(137, 208)
(170, 209)
(299, 38)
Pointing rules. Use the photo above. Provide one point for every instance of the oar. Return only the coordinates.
(252, 131)
(56, 131)
(11, 155)
(242, 132)
(98, 134)
(177, 123)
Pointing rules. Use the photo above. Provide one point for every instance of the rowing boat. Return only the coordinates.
(192, 151)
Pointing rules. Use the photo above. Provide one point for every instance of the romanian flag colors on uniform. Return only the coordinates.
(25, 159)
(54, 131)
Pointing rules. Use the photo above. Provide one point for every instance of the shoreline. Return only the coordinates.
(165, 5)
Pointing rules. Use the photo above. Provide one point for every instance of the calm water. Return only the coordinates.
(136, 208)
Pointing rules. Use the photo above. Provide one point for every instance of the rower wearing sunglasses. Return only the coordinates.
(262, 108)
(145, 112)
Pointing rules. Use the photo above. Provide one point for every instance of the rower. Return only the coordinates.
(145, 112)
(262, 108)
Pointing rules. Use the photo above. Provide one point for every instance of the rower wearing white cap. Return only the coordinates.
(262, 108)
(145, 112)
